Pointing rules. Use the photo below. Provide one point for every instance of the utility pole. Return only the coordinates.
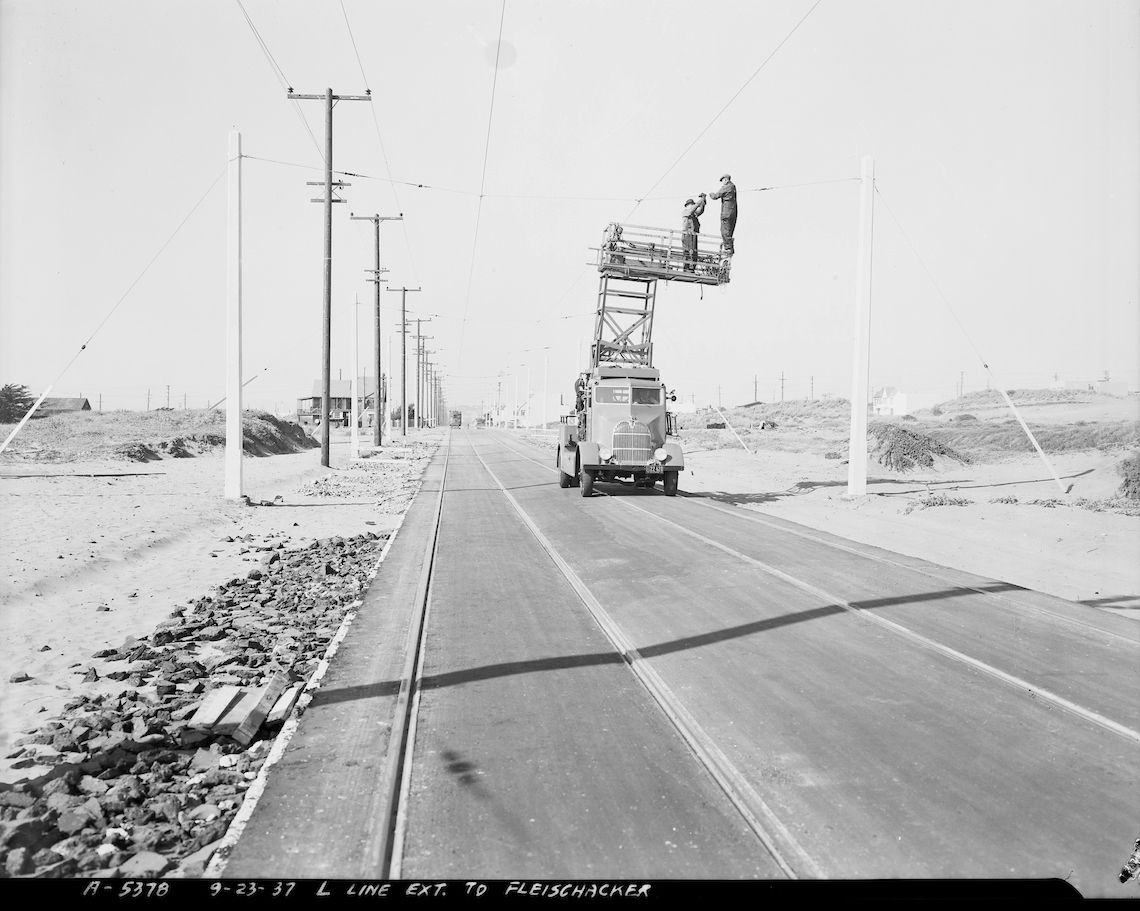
(403, 356)
(813, 388)
(326, 349)
(961, 383)
(168, 395)
(419, 376)
(861, 360)
(148, 399)
(755, 383)
(377, 438)
(100, 401)
(781, 385)
(183, 401)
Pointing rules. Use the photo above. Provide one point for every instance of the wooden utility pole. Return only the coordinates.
(861, 362)
(403, 357)
(354, 381)
(419, 376)
(377, 437)
(326, 348)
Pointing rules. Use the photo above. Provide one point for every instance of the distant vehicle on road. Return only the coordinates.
(457, 419)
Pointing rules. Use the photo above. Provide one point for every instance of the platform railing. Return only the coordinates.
(637, 251)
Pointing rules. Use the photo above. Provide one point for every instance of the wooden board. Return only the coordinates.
(214, 706)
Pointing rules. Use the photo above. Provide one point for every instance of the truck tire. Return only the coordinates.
(587, 482)
(563, 478)
(671, 480)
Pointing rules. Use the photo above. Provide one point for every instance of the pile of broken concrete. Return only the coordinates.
(145, 782)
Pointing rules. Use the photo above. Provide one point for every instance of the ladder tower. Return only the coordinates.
(631, 260)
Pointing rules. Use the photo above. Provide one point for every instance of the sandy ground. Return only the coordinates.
(102, 551)
(99, 551)
(1073, 553)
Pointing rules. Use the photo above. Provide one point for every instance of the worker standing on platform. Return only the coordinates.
(690, 228)
(727, 196)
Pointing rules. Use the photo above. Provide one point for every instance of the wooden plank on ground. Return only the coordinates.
(238, 711)
(214, 706)
(269, 696)
(285, 704)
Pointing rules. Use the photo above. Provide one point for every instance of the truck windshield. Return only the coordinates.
(611, 394)
(643, 396)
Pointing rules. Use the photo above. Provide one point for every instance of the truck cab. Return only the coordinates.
(620, 429)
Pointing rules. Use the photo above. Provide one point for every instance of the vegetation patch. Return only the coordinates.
(977, 437)
(1011, 500)
(935, 499)
(143, 436)
(1130, 471)
(901, 449)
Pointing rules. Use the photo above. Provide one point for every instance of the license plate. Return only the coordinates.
(653, 467)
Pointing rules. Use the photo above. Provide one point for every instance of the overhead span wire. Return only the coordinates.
(284, 82)
(538, 196)
(708, 126)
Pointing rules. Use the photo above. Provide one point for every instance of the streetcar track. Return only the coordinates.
(401, 744)
(1007, 603)
(777, 839)
(926, 642)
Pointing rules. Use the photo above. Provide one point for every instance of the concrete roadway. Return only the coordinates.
(972, 730)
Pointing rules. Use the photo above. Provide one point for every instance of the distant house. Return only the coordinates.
(340, 403)
(888, 400)
(1111, 387)
(61, 406)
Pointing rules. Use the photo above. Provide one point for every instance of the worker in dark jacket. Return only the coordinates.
(690, 228)
(727, 196)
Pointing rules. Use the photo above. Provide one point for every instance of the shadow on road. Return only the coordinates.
(595, 659)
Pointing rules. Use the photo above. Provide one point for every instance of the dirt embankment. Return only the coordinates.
(150, 435)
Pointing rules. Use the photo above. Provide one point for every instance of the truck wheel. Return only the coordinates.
(649, 483)
(671, 483)
(587, 482)
(563, 477)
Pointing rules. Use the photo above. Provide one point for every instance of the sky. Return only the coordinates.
(1005, 137)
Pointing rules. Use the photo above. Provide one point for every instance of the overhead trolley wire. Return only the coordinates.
(726, 106)
(483, 178)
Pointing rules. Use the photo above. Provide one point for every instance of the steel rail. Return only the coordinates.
(777, 839)
(1004, 601)
(1012, 680)
(401, 741)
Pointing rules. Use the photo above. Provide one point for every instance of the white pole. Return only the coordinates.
(528, 396)
(545, 386)
(861, 366)
(31, 411)
(233, 485)
(391, 383)
(353, 389)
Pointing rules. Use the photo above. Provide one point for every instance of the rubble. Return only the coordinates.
(145, 782)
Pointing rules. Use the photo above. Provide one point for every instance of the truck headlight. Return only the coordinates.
(606, 453)
(660, 454)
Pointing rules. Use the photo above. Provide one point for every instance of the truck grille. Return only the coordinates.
(632, 443)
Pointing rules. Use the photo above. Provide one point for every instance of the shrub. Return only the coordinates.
(1130, 471)
(15, 400)
(909, 417)
(964, 417)
(935, 499)
(936, 411)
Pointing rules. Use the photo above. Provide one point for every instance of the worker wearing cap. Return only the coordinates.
(690, 228)
(727, 196)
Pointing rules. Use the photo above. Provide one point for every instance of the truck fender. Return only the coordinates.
(676, 456)
(588, 454)
(565, 435)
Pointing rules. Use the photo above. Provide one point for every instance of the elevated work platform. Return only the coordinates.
(636, 252)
